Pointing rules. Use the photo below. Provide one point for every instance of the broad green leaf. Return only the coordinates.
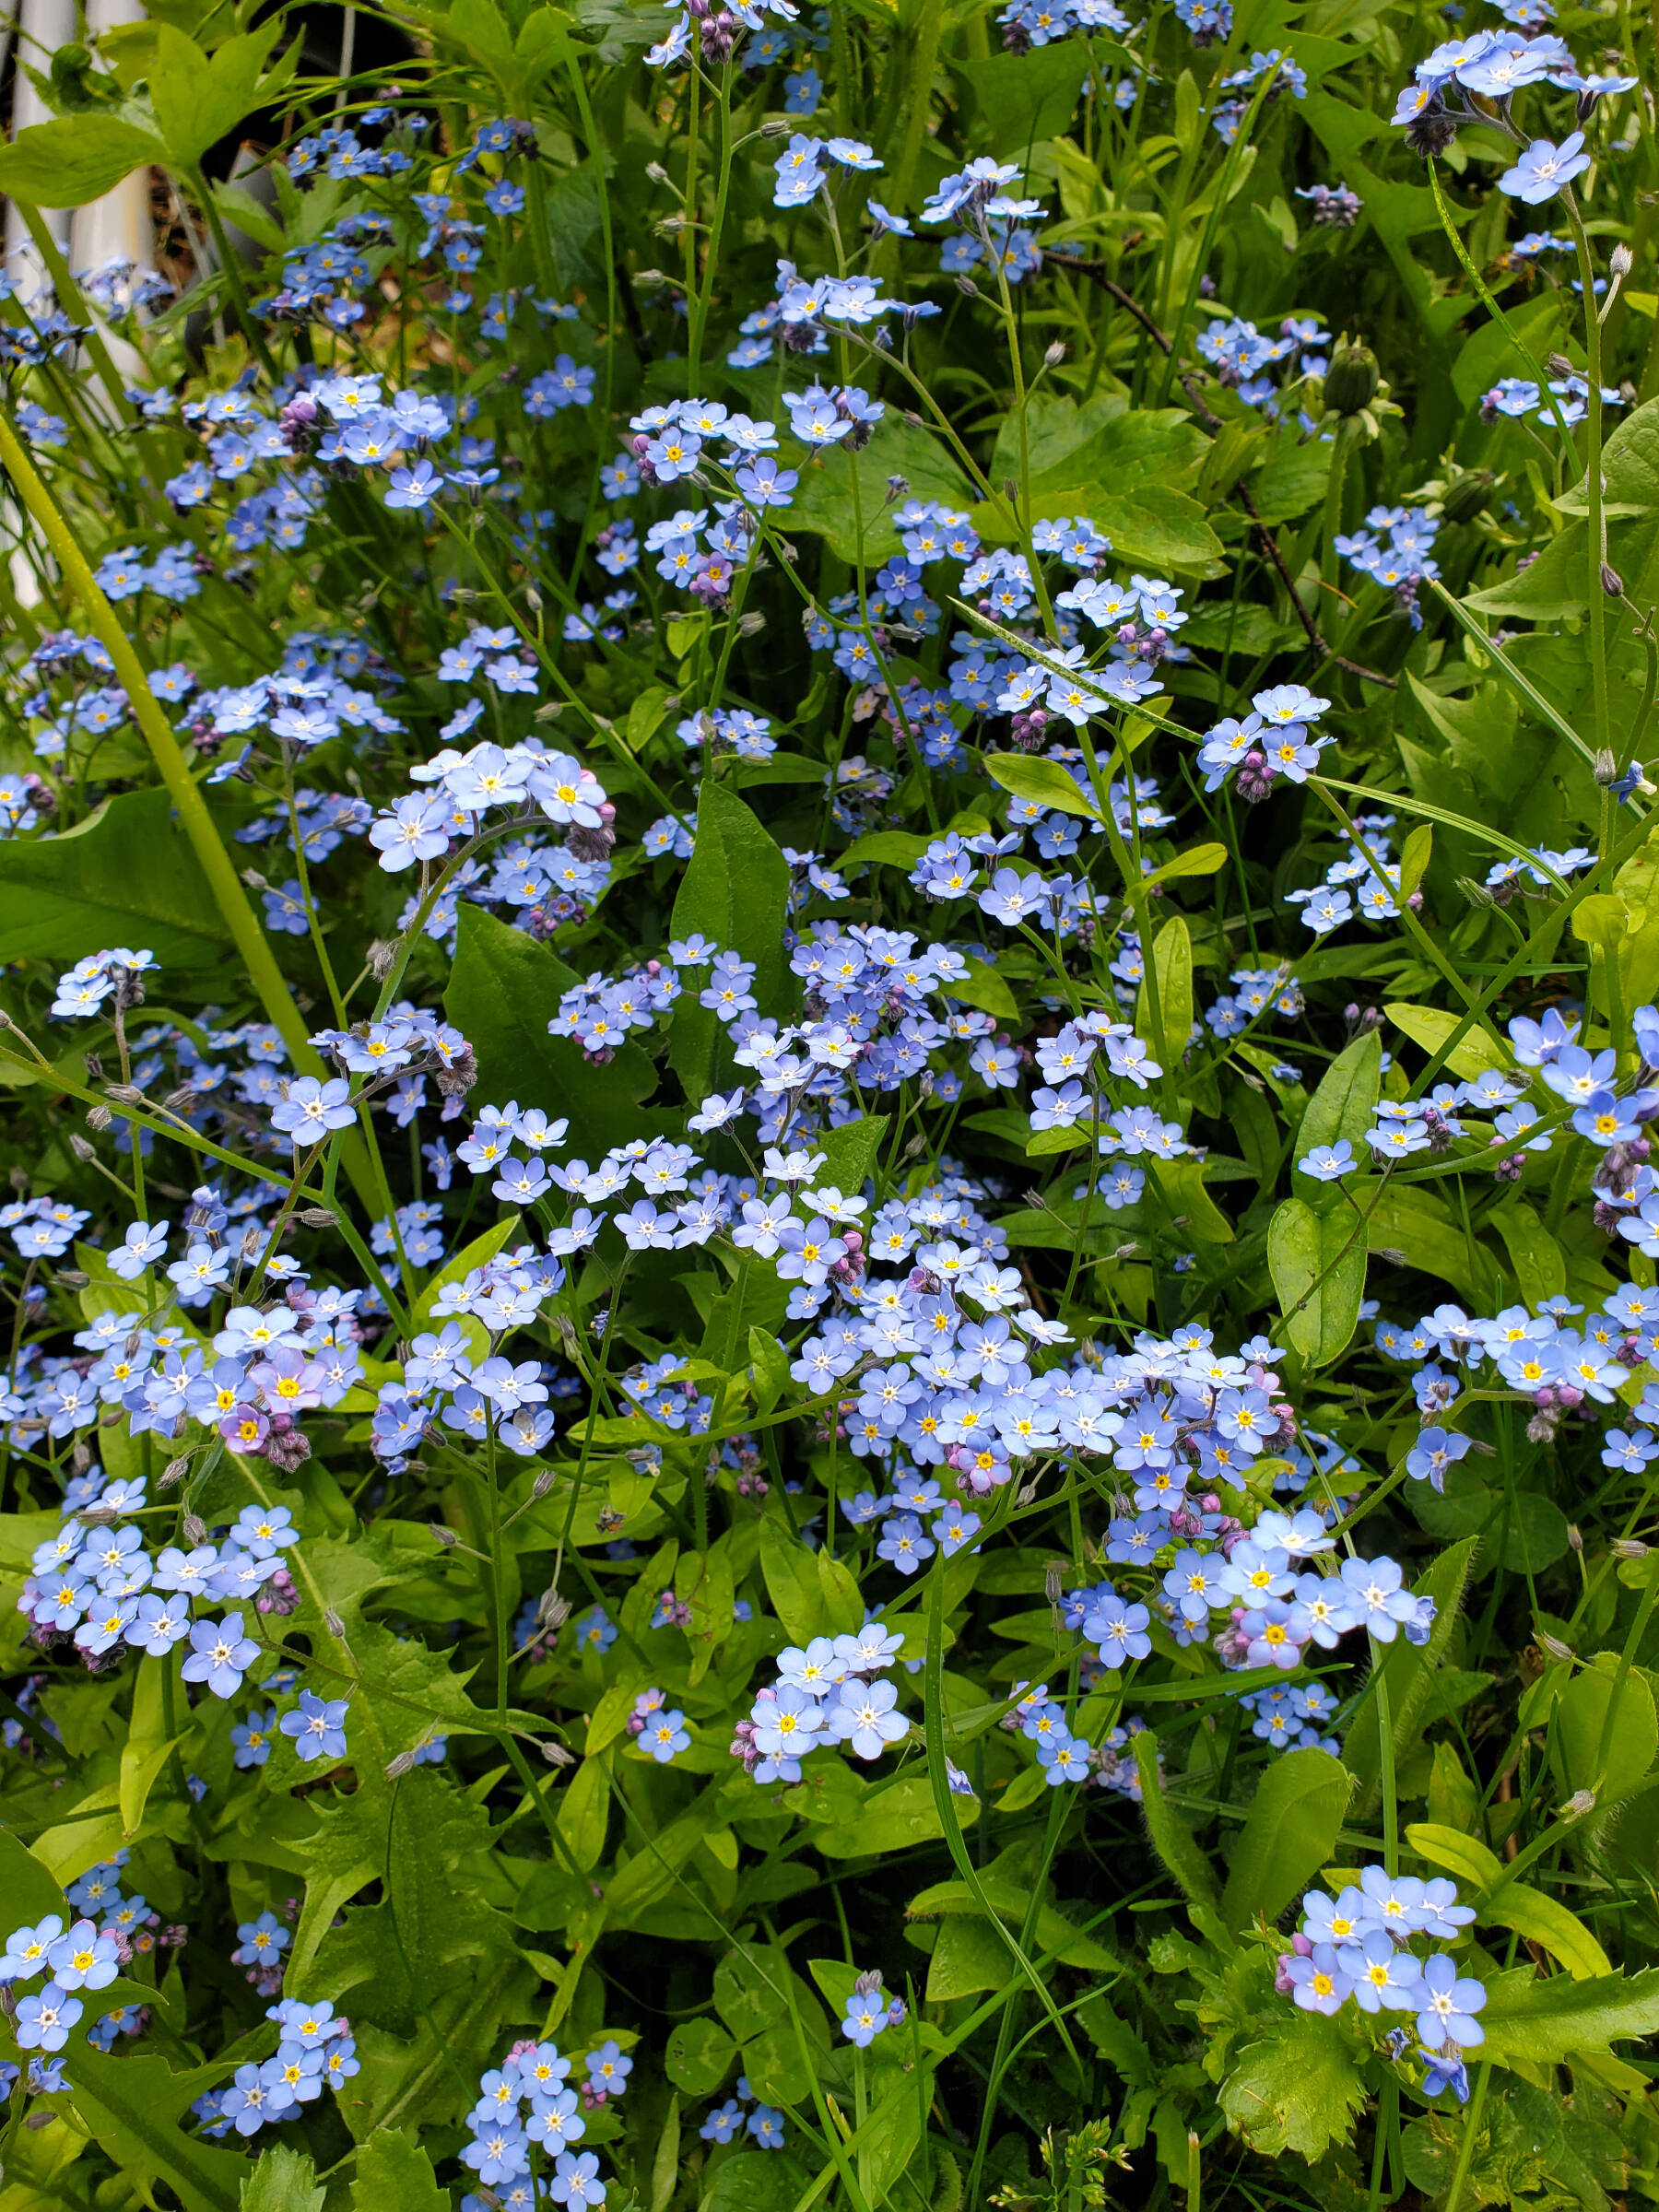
(1297, 2089)
(1413, 858)
(843, 1600)
(825, 504)
(789, 1571)
(1292, 480)
(1473, 1055)
(757, 2181)
(1544, 1919)
(896, 1816)
(1054, 1935)
(768, 1363)
(889, 2137)
(749, 1989)
(74, 159)
(1630, 465)
(1538, 1261)
(734, 892)
(652, 1872)
(139, 2109)
(344, 1854)
(393, 2170)
(1344, 1106)
(245, 213)
(126, 876)
(1603, 1741)
(1317, 1262)
(968, 1956)
(285, 2180)
(851, 1152)
(982, 987)
(1182, 1185)
(1015, 106)
(141, 1764)
(476, 1255)
(1288, 1835)
(1475, 1865)
(1198, 860)
(1408, 1220)
(502, 992)
(1530, 2022)
(199, 100)
(699, 2056)
(1040, 782)
(584, 1812)
(30, 1892)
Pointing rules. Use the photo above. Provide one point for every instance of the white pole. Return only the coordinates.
(45, 26)
(118, 227)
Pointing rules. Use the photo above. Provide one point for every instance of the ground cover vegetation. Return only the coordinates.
(831, 919)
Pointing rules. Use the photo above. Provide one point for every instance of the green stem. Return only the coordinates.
(1593, 492)
(167, 753)
(231, 268)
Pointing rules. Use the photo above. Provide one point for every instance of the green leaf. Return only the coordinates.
(1181, 1184)
(769, 1363)
(1198, 860)
(968, 1956)
(1415, 855)
(1473, 1055)
(1167, 1026)
(126, 876)
(1291, 480)
(1015, 104)
(199, 101)
(664, 2167)
(285, 2180)
(1040, 782)
(1128, 468)
(503, 990)
(1297, 2089)
(74, 159)
(1538, 1261)
(584, 1812)
(843, 1600)
(896, 1816)
(27, 1887)
(1171, 1838)
(1055, 1935)
(982, 987)
(1530, 2022)
(393, 2170)
(1344, 1106)
(824, 503)
(1545, 1921)
(757, 2181)
(851, 1152)
(242, 210)
(1408, 1673)
(1591, 1754)
(1317, 1262)
(791, 1575)
(476, 1255)
(137, 2108)
(1408, 1220)
(699, 2056)
(734, 892)
(1288, 1835)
